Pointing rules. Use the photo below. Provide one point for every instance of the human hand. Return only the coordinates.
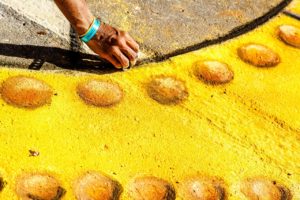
(115, 46)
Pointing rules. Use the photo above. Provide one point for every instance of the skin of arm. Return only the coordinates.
(114, 45)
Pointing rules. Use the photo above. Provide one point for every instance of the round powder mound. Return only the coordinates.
(213, 72)
(95, 186)
(100, 93)
(151, 188)
(258, 55)
(167, 90)
(38, 186)
(199, 188)
(290, 35)
(264, 189)
(22, 91)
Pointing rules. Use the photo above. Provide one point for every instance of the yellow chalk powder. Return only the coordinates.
(247, 128)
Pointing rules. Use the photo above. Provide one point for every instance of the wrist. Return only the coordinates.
(92, 31)
(82, 26)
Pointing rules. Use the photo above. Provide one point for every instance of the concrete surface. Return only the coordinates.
(164, 26)
(18, 31)
(161, 27)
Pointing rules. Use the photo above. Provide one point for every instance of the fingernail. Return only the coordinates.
(132, 63)
(126, 68)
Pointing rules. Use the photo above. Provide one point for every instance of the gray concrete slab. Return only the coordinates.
(18, 34)
(162, 27)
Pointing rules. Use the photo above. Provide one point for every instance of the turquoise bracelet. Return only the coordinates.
(91, 32)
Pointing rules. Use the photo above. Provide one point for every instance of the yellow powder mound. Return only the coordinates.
(247, 128)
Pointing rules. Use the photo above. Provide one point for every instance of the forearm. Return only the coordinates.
(77, 12)
(108, 42)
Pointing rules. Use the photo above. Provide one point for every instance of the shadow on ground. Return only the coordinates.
(60, 57)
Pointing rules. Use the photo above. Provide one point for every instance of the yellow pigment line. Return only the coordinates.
(247, 128)
(294, 7)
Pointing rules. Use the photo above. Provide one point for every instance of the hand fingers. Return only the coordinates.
(129, 53)
(123, 60)
(113, 61)
(132, 44)
(117, 47)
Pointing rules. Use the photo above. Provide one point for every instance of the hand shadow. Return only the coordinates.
(62, 58)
